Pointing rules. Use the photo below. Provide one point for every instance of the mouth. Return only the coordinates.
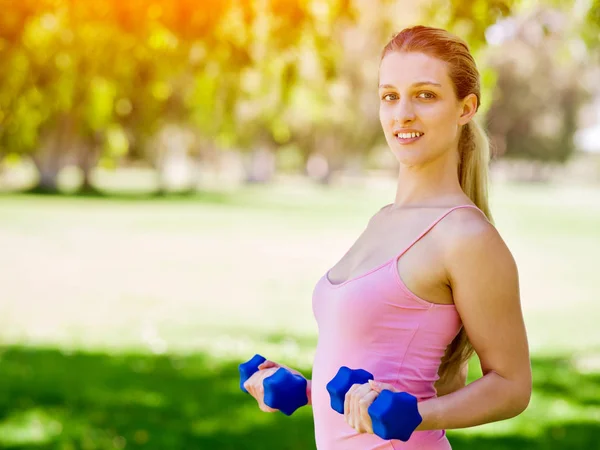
(408, 138)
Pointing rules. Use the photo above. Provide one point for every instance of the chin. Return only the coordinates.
(409, 158)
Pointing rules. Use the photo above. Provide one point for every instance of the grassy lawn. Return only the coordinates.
(122, 321)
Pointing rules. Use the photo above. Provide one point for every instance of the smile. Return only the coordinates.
(408, 138)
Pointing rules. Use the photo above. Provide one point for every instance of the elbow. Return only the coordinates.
(519, 390)
(522, 398)
(522, 402)
(527, 396)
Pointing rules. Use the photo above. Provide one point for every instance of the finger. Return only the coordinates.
(352, 405)
(251, 382)
(348, 402)
(260, 375)
(266, 408)
(258, 389)
(367, 399)
(267, 364)
(249, 385)
(357, 396)
(254, 384)
(365, 418)
(361, 391)
(379, 386)
(354, 394)
(252, 390)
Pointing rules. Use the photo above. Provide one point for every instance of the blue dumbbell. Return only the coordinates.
(284, 390)
(342, 382)
(393, 415)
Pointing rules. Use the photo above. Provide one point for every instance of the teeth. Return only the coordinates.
(409, 135)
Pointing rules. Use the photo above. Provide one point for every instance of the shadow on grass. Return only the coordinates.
(55, 400)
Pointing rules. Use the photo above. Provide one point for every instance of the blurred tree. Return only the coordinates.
(59, 90)
(468, 20)
(86, 81)
(539, 91)
(335, 100)
(37, 90)
(590, 30)
(97, 82)
(265, 79)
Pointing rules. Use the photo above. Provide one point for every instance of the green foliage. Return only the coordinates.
(239, 74)
(471, 19)
(591, 29)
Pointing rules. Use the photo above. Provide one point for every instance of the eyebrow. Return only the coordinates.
(420, 83)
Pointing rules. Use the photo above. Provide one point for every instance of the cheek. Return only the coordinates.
(384, 116)
(442, 121)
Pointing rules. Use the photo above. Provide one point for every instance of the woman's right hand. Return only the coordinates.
(254, 384)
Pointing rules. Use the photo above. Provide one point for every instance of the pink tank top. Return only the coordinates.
(374, 322)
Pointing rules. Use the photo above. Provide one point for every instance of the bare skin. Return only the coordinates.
(441, 266)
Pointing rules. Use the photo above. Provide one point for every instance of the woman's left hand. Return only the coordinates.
(357, 401)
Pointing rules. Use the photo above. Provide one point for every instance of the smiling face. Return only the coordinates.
(417, 99)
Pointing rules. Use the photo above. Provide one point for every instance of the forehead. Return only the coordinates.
(403, 69)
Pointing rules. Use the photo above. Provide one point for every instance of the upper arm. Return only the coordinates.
(485, 286)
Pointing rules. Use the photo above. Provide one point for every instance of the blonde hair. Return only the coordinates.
(473, 145)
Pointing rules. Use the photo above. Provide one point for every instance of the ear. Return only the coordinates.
(468, 109)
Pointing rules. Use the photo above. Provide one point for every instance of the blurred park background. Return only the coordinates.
(175, 176)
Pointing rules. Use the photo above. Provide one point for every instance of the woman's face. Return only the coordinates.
(416, 95)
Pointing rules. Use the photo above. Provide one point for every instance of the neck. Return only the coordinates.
(430, 184)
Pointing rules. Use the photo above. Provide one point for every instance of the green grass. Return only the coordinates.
(123, 320)
(53, 399)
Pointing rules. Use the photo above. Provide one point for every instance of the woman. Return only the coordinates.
(430, 279)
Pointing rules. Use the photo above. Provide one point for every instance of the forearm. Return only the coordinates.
(489, 399)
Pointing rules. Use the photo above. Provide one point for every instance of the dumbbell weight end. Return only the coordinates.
(342, 382)
(394, 415)
(285, 391)
(248, 368)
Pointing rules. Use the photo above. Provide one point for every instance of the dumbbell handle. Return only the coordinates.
(283, 390)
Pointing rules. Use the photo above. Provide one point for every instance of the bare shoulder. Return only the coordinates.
(378, 214)
(465, 222)
(470, 240)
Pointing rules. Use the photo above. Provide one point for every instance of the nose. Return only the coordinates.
(404, 112)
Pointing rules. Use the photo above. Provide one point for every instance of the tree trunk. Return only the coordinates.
(47, 161)
(87, 160)
(47, 183)
(260, 167)
(50, 157)
(172, 162)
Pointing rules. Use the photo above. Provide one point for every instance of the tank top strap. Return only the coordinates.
(435, 222)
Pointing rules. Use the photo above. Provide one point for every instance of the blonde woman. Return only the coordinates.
(430, 279)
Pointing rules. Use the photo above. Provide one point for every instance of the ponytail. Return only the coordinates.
(473, 174)
(473, 167)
